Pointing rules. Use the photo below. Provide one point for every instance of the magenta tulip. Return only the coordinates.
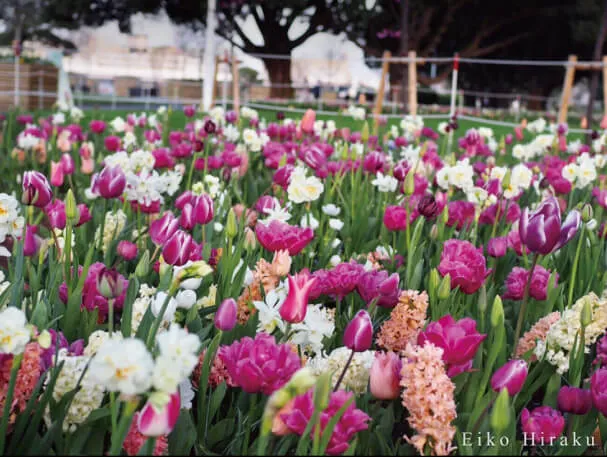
(162, 229)
(380, 286)
(159, 420)
(279, 236)
(110, 283)
(67, 162)
(55, 212)
(84, 214)
(497, 247)
(203, 209)
(225, 317)
(178, 248)
(542, 232)
(127, 250)
(511, 375)
(598, 389)
(189, 111)
(574, 400)
(112, 143)
(465, 264)
(384, 379)
(97, 126)
(186, 219)
(111, 182)
(458, 340)
(358, 334)
(542, 425)
(57, 174)
(36, 189)
(31, 242)
(294, 307)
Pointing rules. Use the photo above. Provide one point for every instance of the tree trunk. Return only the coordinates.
(596, 56)
(279, 71)
(404, 49)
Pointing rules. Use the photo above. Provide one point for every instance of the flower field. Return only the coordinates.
(249, 283)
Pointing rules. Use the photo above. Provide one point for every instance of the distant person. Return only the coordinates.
(316, 90)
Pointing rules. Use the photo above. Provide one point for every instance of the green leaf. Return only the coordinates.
(127, 310)
(183, 436)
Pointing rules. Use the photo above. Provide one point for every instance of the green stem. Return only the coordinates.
(110, 316)
(247, 437)
(123, 427)
(575, 264)
(160, 317)
(102, 229)
(523, 310)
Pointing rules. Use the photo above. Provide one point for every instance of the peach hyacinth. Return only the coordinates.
(405, 322)
(538, 332)
(428, 396)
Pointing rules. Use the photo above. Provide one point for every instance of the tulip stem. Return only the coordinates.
(576, 260)
(523, 310)
(343, 373)
(110, 316)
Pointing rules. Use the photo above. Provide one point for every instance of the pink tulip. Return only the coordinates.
(280, 236)
(384, 380)
(380, 286)
(512, 376)
(57, 175)
(465, 264)
(67, 162)
(127, 250)
(112, 143)
(97, 126)
(395, 218)
(31, 242)
(84, 213)
(574, 401)
(225, 317)
(307, 121)
(162, 229)
(604, 122)
(542, 425)
(459, 341)
(111, 182)
(186, 219)
(294, 307)
(189, 111)
(178, 248)
(497, 247)
(518, 132)
(358, 334)
(87, 166)
(159, 420)
(55, 212)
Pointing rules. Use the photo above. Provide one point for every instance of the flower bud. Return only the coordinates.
(143, 267)
(109, 283)
(501, 415)
(358, 334)
(444, 288)
(72, 213)
(231, 228)
(409, 185)
(295, 306)
(510, 376)
(127, 250)
(586, 314)
(497, 312)
(364, 134)
(44, 339)
(587, 213)
(434, 281)
(225, 317)
(250, 240)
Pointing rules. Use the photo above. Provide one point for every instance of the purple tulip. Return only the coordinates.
(498, 246)
(225, 317)
(31, 242)
(186, 220)
(511, 375)
(111, 182)
(542, 425)
(574, 401)
(56, 214)
(542, 232)
(379, 285)
(358, 334)
(36, 189)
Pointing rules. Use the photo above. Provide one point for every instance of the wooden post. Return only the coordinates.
(235, 86)
(217, 60)
(567, 85)
(605, 84)
(412, 83)
(379, 101)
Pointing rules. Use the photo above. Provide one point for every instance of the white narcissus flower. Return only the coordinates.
(331, 209)
(304, 188)
(570, 172)
(334, 260)
(336, 224)
(123, 365)
(14, 333)
(318, 324)
(268, 310)
(118, 124)
(308, 220)
(385, 183)
(178, 358)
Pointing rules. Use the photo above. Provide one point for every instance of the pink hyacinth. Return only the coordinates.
(353, 420)
(465, 264)
(459, 341)
(260, 365)
(280, 236)
(517, 280)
